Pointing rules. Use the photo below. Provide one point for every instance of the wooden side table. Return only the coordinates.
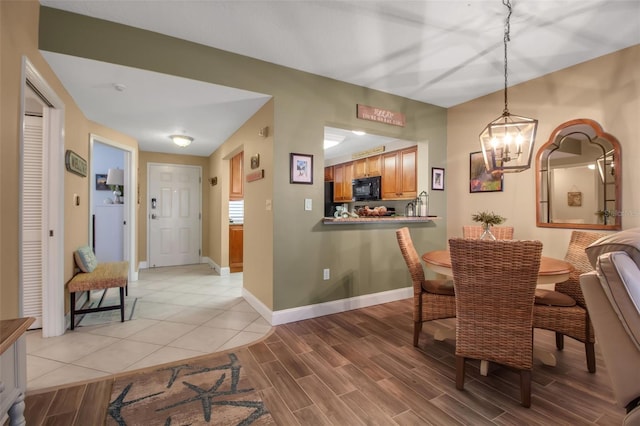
(13, 370)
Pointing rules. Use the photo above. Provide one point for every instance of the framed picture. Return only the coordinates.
(574, 199)
(437, 179)
(480, 180)
(301, 166)
(101, 183)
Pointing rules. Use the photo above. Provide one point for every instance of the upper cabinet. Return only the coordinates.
(579, 179)
(399, 174)
(236, 189)
(366, 167)
(328, 174)
(342, 181)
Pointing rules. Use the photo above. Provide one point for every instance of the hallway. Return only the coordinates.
(178, 312)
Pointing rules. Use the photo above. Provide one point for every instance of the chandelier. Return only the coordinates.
(507, 142)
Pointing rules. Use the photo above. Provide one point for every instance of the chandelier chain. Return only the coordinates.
(507, 32)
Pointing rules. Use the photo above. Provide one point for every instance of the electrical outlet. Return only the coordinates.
(326, 274)
(307, 203)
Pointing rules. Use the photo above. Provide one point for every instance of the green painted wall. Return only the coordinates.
(362, 259)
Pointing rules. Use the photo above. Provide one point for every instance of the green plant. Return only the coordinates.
(489, 219)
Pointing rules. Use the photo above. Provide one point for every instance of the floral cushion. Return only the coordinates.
(85, 259)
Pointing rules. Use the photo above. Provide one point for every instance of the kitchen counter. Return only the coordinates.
(377, 220)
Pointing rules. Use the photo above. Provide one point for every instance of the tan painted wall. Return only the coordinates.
(258, 221)
(18, 37)
(606, 89)
(189, 160)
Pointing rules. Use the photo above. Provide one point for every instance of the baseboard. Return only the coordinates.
(312, 311)
(142, 264)
(223, 271)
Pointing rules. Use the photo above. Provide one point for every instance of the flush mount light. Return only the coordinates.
(507, 142)
(358, 132)
(181, 140)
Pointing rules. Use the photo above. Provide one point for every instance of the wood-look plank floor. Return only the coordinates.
(360, 368)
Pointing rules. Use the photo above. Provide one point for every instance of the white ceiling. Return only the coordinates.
(442, 52)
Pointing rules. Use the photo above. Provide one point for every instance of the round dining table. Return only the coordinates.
(551, 270)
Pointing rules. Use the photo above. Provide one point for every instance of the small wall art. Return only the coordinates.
(574, 199)
(301, 166)
(101, 183)
(437, 179)
(75, 164)
(481, 180)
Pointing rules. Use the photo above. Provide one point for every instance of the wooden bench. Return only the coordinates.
(106, 275)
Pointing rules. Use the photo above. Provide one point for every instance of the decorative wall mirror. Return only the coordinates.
(579, 180)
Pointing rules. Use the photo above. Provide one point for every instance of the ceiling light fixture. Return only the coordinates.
(358, 132)
(181, 140)
(507, 142)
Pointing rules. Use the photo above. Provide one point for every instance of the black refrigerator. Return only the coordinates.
(329, 205)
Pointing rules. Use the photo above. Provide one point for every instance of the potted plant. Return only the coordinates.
(488, 220)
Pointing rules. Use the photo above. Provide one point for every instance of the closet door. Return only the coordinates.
(33, 225)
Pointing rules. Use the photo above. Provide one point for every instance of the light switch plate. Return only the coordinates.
(268, 205)
(307, 203)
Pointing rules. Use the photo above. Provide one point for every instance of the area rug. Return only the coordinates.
(108, 297)
(213, 390)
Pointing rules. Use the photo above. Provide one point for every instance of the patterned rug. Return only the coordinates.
(203, 391)
(108, 297)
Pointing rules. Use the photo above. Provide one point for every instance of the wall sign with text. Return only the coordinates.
(380, 115)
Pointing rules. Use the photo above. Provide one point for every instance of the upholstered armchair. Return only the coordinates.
(612, 295)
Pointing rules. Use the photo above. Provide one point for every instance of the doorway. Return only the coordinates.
(41, 210)
(128, 156)
(174, 222)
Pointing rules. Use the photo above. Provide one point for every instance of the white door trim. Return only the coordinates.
(53, 317)
(130, 195)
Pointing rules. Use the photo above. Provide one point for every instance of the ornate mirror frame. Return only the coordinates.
(591, 132)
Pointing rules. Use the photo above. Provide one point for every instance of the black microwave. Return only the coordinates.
(366, 189)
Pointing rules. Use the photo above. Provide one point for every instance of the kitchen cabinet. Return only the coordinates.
(236, 189)
(342, 181)
(328, 174)
(236, 235)
(108, 228)
(366, 167)
(399, 174)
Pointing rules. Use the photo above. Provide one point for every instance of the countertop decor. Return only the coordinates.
(378, 220)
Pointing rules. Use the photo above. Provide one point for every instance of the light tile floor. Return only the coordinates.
(178, 312)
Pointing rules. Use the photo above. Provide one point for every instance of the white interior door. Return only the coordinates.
(174, 214)
(33, 226)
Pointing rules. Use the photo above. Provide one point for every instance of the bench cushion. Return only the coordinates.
(105, 275)
(85, 259)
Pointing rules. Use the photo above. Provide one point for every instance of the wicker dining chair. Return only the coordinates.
(495, 284)
(432, 299)
(500, 232)
(564, 310)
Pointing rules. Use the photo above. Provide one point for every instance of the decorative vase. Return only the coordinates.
(487, 235)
